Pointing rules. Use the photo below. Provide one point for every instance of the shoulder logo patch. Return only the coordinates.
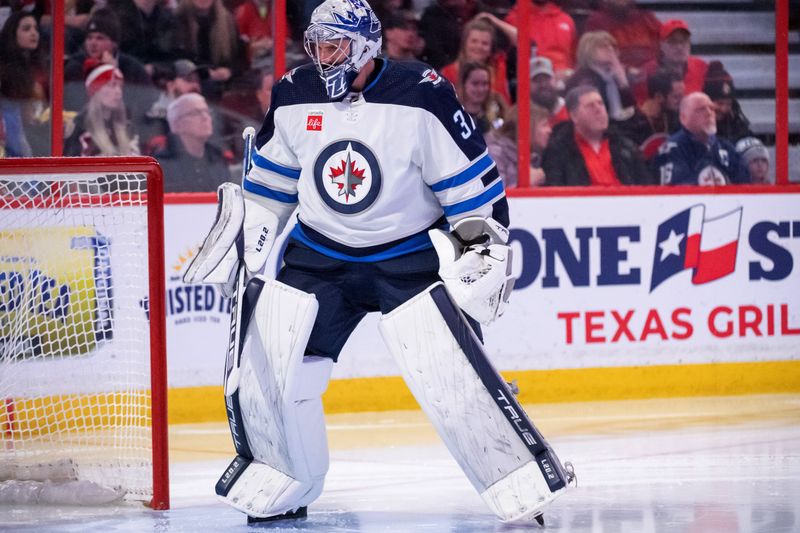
(431, 76)
(288, 75)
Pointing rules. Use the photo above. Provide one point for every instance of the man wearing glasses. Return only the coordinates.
(190, 163)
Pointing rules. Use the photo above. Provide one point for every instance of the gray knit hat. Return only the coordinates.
(751, 148)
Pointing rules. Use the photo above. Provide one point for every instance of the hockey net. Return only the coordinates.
(82, 359)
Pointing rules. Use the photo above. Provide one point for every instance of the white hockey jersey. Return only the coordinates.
(373, 172)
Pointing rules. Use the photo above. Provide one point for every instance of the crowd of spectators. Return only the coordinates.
(616, 95)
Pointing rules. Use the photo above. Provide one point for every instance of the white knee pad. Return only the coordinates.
(273, 394)
(499, 449)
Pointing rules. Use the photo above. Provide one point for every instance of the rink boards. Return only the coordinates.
(621, 294)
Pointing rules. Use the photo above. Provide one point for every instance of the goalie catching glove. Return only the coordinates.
(475, 265)
(234, 240)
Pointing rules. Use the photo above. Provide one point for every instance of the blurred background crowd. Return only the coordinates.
(622, 91)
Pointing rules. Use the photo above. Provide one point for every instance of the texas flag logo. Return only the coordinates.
(690, 240)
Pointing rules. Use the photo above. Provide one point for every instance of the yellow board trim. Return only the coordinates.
(23, 418)
(206, 404)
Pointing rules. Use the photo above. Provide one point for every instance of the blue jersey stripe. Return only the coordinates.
(378, 77)
(465, 175)
(262, 162)
(416, 243)
(474, 203)
(266, 192)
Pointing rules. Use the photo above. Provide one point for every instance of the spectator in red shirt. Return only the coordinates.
(254, 21)
(676, 49)
(637, 31)
(544, 92)
(551, 30)
(478, 45)
(584, 151)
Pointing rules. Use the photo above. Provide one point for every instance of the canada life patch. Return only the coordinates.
(314, 122)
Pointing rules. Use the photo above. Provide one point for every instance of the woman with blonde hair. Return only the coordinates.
(599, 66)
(478, 46)
(102, 127)
(502, 144)
(208, 36)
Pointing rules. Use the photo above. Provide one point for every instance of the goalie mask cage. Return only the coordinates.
(82, 326)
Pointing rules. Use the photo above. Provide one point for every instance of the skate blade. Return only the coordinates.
(301, 512)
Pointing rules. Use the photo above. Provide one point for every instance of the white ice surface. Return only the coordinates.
(695, 479)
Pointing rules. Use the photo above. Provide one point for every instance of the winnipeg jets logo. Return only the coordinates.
(431, 76)
(288, 75)
(347, 176)
(711, 175)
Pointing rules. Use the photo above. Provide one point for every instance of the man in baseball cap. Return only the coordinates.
(544, 91)
(673, 25)
(179, 78)
(676, 49)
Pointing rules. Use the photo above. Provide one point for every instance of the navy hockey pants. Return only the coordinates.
(347, 291)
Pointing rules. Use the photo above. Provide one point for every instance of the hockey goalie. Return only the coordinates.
(401, 211)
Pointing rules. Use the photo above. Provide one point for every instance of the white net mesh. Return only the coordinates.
(74, 333)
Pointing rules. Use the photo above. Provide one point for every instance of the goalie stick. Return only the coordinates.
(239, 317)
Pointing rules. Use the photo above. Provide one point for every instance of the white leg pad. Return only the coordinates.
(262, 491)
(521, 494)
(283, 451)
(502, 454)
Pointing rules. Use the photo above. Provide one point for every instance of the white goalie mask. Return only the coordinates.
(475, 265)
(343, 36)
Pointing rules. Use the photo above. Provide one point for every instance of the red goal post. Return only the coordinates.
(83, 377)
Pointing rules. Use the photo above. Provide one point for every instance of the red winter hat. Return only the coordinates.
(101, 75)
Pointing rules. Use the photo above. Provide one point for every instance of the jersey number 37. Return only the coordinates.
(466, 128)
